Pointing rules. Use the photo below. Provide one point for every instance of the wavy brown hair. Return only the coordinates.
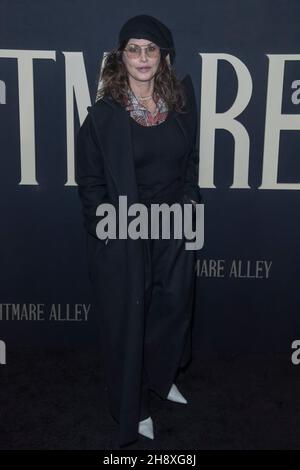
(114, 82)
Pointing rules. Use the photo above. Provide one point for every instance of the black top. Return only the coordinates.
(158, 156)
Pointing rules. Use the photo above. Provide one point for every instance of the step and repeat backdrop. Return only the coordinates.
(244, 60)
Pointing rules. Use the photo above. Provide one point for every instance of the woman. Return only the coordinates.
(139, 140)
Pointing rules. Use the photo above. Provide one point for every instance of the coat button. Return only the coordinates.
(137, 301)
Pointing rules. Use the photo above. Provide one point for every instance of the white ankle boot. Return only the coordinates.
(175, 395)
(146, 428)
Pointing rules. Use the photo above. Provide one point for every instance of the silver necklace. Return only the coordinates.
(144, 97)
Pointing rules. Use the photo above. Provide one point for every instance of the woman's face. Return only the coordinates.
(143, 67)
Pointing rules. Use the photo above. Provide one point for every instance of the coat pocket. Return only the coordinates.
(186, 200)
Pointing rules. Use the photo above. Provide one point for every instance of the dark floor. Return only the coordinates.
(55, 400)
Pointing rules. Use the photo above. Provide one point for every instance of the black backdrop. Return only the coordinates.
(50, 54)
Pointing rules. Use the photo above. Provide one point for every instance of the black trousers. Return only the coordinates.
(167, 323)
(169, 296)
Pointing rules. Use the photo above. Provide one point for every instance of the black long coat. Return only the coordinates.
(104, 169)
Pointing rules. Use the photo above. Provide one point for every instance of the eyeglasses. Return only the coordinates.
(134, 51)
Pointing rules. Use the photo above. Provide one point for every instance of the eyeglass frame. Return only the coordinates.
(145, 47)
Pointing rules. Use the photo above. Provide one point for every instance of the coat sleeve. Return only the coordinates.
(89, 175)
(191, 187)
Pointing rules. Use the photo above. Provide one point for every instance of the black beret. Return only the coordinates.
(148, 27)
